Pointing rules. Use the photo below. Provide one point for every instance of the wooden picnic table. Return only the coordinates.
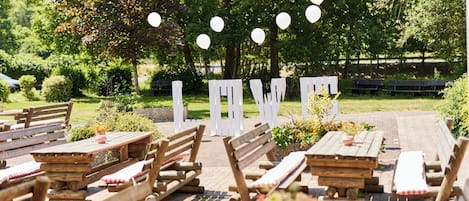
(70, 165)
(342, 168)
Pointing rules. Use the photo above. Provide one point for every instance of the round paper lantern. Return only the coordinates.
(217, 24)
(317, 2)
(283, 20)
(313, 13)
(154, 19)
(258, 35)
(203, 41)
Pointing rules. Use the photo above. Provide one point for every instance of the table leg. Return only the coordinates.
(341, 192)
(352, 193)
(330, 192)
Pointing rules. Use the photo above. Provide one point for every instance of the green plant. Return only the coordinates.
(350, 127)
(320, 104)
(4, 91)
(81, 133)
(454, 105)
(191, 80)
(27, 83)
(128, 101)
(115, 78)
(75, 75)
(131, 122)
(107, 108)
(57, 89)
(304, 132)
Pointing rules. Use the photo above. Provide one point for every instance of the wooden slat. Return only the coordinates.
(67, 195)
(63, 158)
(342, 182)
(351, 163)
(66, 176)
(26, 150)
(444, 143)
(48, 112)
(376, 145)
(39, 139)
(450, 176)
(38, 186)
(244, 149)
(66, 167)
(237, 141)
(249, 159)
(342, 172)
(182, 133)
(183, 140)
(42, 118)
(176, 151)
(5, 135)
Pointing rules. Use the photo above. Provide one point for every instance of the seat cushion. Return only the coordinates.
(274, 176)
(18, 171)
(180, 156)
(126, 174)
(409, 176)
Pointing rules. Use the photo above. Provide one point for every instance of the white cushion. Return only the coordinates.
(126, 174)
(274, 176)
(409, 177)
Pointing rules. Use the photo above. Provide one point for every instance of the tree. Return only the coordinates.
(7, 39)
(119, 28)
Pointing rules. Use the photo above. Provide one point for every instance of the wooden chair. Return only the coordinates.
(247, 148)
(176, 172)
(37, 187)
(43, 115)
(439, 175)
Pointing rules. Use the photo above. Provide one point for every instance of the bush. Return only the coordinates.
(4, 91)
(57, 89)
(191, 80)
(454, 105)
(81, 133)
(28, 64)
(116, 78)
(75, 75)
(131, 122)
(27, 83)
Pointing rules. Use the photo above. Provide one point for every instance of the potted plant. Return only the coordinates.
(350, 129)
(100, 131)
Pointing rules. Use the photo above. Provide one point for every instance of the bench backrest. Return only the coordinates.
(245, 149)
(45, 113)
(20, 142)
(444, 142)
(155, 158)
(452, 168)
(37, 187)
(359, 83)
(185, 140)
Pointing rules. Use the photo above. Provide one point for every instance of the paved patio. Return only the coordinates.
(402, 130)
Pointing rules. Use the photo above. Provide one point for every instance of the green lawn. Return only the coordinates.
(84, 108)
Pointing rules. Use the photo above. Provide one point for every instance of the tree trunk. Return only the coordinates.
(230, 61)
(134, 66)
(188, 55)
(274, 68)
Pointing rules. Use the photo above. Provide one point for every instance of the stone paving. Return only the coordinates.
(402, 130)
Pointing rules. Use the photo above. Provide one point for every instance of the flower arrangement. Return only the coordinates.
(351, 128)
(100, 128)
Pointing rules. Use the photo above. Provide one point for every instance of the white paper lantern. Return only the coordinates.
(283, 20)
(313, 13)
(317, 2)
(217, 24)
(258, 35)
(203, 41)
(154, 19)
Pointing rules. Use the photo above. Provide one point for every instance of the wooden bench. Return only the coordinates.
(41, 115)
(367, 85)
(173, 170)
(249, 147)
(37, 187)
(415, 87)
(161, 87)
(439, 175)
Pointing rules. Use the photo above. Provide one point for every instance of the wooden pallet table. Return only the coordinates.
(344, 169)
(70, 165)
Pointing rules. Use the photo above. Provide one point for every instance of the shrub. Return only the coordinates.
(75, 75)
(27, 83)
(57, 89)
(81, 133)
(28, 64)
(191, 80)
(454, 105)
(131, 122)
(116, 78)
(4, 91)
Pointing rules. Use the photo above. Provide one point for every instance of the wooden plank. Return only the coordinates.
(182, 133)
(351, 163)
(16, 191)
(342, 172)
(171, 153)
(237, 141)
(29, 131)
(341, 182)
(49, 112)
(138, 192)
(248, 160)
(246, 148)
(66, 176)
(376, 145)
(124, 153)
(37, 139)
(315, 149)
(63, 158)
(368, 140)
(25, 150)
(67, 195)
(66, 167)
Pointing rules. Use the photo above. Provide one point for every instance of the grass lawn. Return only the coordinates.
(84, 108)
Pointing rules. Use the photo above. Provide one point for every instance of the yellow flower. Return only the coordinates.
(100, 128)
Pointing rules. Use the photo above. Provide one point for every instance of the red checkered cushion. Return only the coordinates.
(409, 177)
(179, 156)
(126, 174)
(274, 176)
(18, 171)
